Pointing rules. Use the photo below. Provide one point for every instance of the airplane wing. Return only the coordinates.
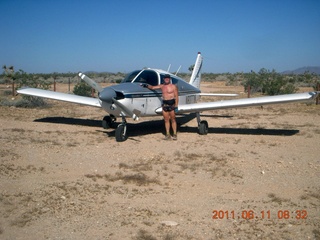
(246, 102)
(95, 102)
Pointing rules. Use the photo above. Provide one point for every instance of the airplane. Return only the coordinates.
(130, 99)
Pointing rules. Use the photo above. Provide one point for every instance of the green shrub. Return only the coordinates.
(30, 80)
(254, 81)
(276, 84)
(82, 89)
(269, 83)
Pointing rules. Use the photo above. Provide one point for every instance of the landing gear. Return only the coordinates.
(121, 131)
(202, 125)
(108, 121)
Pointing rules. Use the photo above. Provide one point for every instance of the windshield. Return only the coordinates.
(147, 76)
(130, 76)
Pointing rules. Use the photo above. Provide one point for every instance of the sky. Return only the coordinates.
(46, 36)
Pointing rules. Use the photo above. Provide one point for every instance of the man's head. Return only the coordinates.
(167, 78)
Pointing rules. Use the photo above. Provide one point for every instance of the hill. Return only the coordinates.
(302, 70)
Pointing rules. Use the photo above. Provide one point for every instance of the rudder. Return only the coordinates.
(195, 78)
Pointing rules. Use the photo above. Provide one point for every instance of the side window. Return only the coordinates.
(149, 77)
(174, 81)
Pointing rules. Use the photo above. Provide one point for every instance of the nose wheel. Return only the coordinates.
(121, 131)
(108, 121)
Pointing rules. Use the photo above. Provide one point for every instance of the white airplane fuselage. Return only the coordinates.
(142, 101)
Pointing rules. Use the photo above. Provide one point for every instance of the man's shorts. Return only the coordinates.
(168, 105)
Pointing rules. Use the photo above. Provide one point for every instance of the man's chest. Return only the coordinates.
(168, 89)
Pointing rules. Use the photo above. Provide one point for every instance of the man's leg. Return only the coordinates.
(166, 118)
(173, 124)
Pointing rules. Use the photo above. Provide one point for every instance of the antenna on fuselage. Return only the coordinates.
(169, 68)
(177, 71)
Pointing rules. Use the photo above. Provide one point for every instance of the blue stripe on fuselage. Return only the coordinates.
(155, 94)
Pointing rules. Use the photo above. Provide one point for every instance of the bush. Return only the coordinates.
(25, 102)
(31, 80)
(254, 81)
(276, 84)
(82, 89)
(269, 83)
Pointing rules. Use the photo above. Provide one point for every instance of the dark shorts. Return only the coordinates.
(168, 105)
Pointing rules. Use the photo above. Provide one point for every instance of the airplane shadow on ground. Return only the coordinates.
(156, 126)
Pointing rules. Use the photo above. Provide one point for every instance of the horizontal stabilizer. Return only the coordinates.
(60, 96)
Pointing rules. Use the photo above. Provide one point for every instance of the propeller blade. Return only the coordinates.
(91, 83)
(125, 110)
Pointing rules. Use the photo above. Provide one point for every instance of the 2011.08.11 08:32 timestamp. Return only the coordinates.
(264, 214)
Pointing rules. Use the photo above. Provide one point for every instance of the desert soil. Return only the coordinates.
(255, 175)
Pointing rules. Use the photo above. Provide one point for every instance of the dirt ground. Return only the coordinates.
(256, 175)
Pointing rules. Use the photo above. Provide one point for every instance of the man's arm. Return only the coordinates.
(176, 94)
(154, 87)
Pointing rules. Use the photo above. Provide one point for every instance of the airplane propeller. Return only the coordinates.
(91, 83)
(125, 110)
(109, 95)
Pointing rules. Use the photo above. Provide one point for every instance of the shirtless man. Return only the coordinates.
(170, 100)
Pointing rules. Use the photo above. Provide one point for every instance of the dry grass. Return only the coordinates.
(140, 179)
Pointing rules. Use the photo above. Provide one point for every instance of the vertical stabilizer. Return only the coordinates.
(196, 73)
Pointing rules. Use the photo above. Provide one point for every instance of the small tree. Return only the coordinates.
(30, 80)
(275, 84)
(191, 68)
(254, 81)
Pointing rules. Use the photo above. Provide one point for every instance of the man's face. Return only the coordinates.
(167, 80)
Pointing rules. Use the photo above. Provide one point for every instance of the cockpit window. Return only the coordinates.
(147, 76)
(130, 76)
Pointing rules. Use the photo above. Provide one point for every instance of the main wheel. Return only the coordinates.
(107, 122)
(203, 128)
(121, 133)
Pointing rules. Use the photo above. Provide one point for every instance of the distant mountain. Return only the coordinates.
(302, 70)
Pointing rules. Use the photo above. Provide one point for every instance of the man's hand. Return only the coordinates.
(144, 85)
(176, 109)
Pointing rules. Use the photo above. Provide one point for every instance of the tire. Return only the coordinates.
(203, 128)
(121, 133)
(107, 122)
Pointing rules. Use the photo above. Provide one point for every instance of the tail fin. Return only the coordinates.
(195, 78)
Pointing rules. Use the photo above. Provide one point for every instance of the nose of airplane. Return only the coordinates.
(107, 94)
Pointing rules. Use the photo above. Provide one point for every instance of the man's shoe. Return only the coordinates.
(174, 137)
(167, 137)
